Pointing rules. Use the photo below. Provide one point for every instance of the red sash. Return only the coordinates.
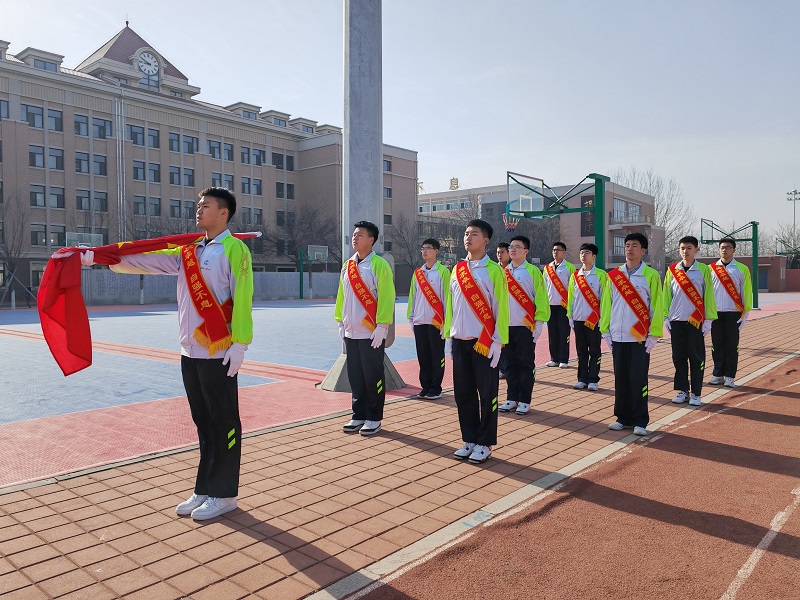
(727, 282)
(524, 300)
(431, 297)
(591, 299)
(477, 302)
(557, 283)
(634, 302)
(363, 295)
(213, 332)
(688, 288)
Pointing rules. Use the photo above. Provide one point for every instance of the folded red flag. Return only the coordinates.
(62, 311)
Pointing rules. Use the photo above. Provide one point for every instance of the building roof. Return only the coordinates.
(122, 46)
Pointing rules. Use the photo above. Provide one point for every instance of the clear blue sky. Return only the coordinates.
(703, 91)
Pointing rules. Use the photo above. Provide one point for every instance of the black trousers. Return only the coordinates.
(558, 334)
(214, 403)
(631, 368)
(430, 354)
(365, 372)
(688, 355)
(725, 344)
(518, 358)
(587, 343)
(475, 385)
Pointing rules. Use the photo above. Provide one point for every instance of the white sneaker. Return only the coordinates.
(579, 386)
(680, 398)
(640, 431)
(370, 428)
(464, 451)
(353, 426)
(214, 507)
(716, 380)
(616, 426)
(507, 406)
(729, 382)
(695, 400)
(551, 363)
(563, 365)
(523, 408)
(480, 454)
(184, 509)
(593, 387)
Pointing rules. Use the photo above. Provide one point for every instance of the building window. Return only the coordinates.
(290, 191)
(3, 109)
(387, 219)
(55, 120)
(227, 152)
(81, 125)
(174, 142)
(100, 202)
(149, 82)
(175, 175)
(82, 199)
(153, 138)
(279, 122)
(246, 215)
(81, 162)
(280, 247)
(34, 115)
(37, 195)
(280, 218)
(259, 157)
(256, 187)
(466, 203)
(38, 236)
(56, 197)
(37, 270)
(55, 159)
(387, 166)
(279, 189)
(175, 94)
(188, 177)
(257, 216)
(245, 156)
(619, 210)
(289, 163)
(175, 209)
(36, 156)
(249, 114)
(245, 185)
(387, 192)
(619, 246)
(451, 204)
(439, 206)
(216, 180)
(45, 65)
(228, 181)
(58, 235)
(634, 213)
(101, 128)
(189, 209)
(138, 205)
(277, 160)
(307, 129)
(136, 135)
(138, 170)
(214, 148)
(99, 164)
(154, 172)
(154, 207)
(424, 208)
(387, 246)
(121, 80)
(191, 144)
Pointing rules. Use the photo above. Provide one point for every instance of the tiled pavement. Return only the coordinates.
(315, 504)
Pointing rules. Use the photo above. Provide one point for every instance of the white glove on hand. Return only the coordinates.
(571, 324)
(742, 320)
(235, 356)
(494, 354)
(668, 325)
(87, 258)
(607, 338)
(706, 327)
(538, 330)
(379, 335)
(650, 343)
(341, 329)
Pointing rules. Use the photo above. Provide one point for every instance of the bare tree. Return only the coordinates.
(789, 235)
(14, 222)
(309, 224)
(406, 240)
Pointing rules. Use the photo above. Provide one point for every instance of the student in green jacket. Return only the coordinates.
(589, 297)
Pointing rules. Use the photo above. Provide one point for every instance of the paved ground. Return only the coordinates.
(316, 507)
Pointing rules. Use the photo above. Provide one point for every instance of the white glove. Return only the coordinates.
(441, 332)
(668, 325)
(379, 335)
(341, 329)
(571, 324)
(87, 258)
(538, 330)
(607, 338)
(742, 320)
(650, 343)
(235, 356)
(707, 327)
(494, 354)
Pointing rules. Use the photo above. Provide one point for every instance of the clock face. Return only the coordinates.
(148, 63)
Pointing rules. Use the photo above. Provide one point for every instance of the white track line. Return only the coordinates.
(774, 529)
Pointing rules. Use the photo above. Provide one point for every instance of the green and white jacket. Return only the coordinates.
(378, 277)
(419, 309)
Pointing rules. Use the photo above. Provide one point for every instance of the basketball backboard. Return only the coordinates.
(83, 239)
(525, 193)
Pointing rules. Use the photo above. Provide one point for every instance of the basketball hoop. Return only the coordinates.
(510, 223)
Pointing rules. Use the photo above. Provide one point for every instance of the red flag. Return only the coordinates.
(62, 312)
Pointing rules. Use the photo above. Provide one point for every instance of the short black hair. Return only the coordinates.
(224, 197)
(487, 229)
(590, 247)
(503, 245)
(637, 237)
(689, 239)
(562, 244)
(730, 241)
(432, 242)
(525, 241)
(371, 228)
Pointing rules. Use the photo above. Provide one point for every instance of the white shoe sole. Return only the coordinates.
(216, 513)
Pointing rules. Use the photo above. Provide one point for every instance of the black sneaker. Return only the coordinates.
(422, 394)
(353, 426)
(433, 395)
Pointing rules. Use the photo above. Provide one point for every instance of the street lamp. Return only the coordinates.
(793, 196)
